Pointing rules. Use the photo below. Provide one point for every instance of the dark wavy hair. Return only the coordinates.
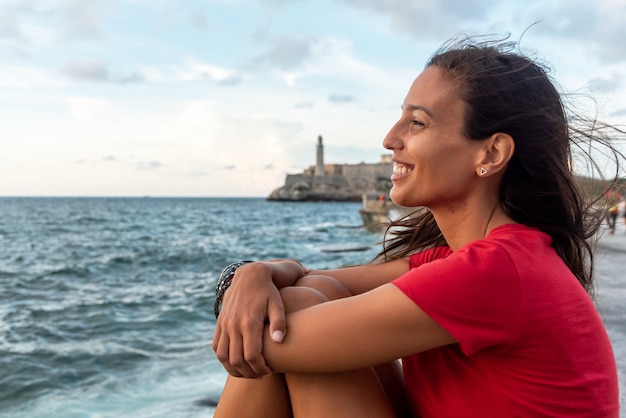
(506, 91)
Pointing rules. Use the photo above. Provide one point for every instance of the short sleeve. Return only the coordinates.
(473, 293)
(429, 255)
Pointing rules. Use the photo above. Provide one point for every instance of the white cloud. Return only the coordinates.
(192, 70)
(606, 84)
(98, 71)
(45, 22)
(290, 78)
(426, 18)
(599, 26)
(8, 26)
(24, 77)
(285, 52)
(334, 56)
(198, 71)
(81, 19)
(88, 109)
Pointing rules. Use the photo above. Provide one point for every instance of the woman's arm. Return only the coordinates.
(357, 279)
(348, 334)
(253, 298)
(360, 279)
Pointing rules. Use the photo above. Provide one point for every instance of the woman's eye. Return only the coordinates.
(417, 123)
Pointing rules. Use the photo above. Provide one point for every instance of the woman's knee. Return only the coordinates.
(312, 290)
(296, 298)
(329, 286)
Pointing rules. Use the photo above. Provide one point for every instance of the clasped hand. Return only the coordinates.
(251, 301)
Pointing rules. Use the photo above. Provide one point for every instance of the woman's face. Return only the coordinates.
(434, 164)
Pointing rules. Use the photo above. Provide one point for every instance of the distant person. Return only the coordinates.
(612, 217)
(612, 199)
(485, 296)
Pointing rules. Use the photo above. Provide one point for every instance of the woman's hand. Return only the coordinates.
(252, 299)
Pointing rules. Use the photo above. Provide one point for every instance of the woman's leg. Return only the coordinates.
(358, 393)
(375, 392)
(392, 379)
(349, 394)
(389, 374)
(268, 397)
(252, 398)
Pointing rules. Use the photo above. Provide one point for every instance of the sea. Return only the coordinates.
(106, 304)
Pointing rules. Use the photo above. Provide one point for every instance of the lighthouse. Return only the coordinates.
(319, 166)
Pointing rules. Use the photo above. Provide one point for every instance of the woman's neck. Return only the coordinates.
(474, 223)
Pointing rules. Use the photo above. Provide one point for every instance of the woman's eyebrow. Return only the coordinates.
(410, 108)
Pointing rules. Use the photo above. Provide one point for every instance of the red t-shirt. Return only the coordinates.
(530, 341)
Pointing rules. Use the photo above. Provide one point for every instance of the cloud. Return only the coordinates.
(8, 26)
(303, 105)
(25, 78)
(336, 58)
(73, 20)
(198, 173)
(285, 53)
(425, 19)
(81, 19)
(199, 20)
(279, 3)
(86, 108)
(340, 98)
(232, 80)
(600, 24)
(619, 112)
(86, 70)
(152, 165)
(222, 76)
(605, 84)
(93, 70)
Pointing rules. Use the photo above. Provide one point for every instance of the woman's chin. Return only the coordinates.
(400, 199)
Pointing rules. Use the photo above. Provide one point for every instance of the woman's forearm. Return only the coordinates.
(357, 279)
(360, 279)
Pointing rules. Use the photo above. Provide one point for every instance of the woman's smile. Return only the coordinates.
(400, 170)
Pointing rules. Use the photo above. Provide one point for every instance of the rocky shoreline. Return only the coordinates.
(335, 182)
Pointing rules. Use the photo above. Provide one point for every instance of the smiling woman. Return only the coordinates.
(485, 296)
(434, 167)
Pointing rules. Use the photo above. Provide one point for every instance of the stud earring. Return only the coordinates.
(483, 171)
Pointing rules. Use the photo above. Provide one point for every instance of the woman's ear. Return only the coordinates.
(497, 152)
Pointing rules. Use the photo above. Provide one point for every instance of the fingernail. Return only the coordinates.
(278, 336)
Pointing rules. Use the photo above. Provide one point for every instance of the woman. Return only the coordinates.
(485, 296)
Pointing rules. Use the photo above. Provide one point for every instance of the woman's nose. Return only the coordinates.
(392, 140)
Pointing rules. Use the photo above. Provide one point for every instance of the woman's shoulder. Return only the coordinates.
(429, 255)
(515, 241)
(516, 236)
(516, 251)
(506, 238)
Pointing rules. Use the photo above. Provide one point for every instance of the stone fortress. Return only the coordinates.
(336, 182)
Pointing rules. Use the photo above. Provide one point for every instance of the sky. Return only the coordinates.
(223, 98)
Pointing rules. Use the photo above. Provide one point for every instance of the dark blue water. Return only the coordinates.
(106, 303)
